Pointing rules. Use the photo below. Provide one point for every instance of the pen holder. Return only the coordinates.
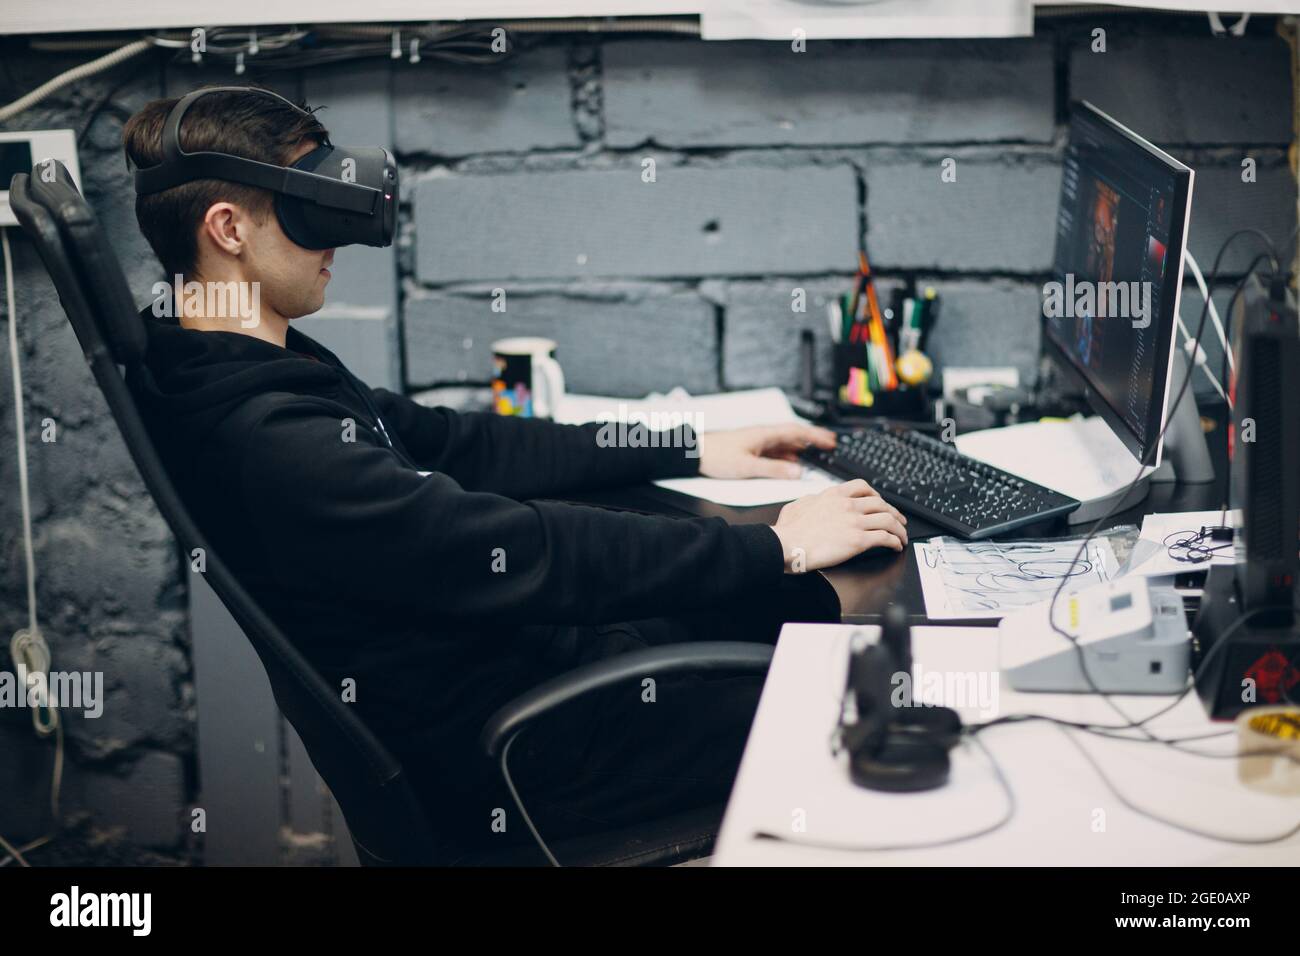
(905, 402)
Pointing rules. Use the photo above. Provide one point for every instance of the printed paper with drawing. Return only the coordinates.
(988, 579)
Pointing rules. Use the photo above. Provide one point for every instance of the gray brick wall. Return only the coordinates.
(997, 215)
(771, 168)
(1189, 89)
(738, 220)
(108, 574)
(625, 339)
(672, 93)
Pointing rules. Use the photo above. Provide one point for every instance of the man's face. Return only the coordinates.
(292, 278)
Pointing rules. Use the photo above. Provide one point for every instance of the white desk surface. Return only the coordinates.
(1065, 815)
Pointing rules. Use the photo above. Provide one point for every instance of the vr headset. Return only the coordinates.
(331, 197)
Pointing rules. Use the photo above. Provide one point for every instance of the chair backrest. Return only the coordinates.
(387, 823)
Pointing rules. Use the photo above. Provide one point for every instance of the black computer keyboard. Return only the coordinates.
(923, 476)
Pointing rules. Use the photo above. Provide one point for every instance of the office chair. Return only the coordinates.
(387, 823)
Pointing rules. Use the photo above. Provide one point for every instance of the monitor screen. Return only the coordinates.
(15, 157)
(1111, 307)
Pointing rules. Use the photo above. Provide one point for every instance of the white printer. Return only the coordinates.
(1133, 634)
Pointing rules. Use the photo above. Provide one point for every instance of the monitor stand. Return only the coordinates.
(1084, 459)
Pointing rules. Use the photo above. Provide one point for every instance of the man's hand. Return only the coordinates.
(826, 529)
(764, 451)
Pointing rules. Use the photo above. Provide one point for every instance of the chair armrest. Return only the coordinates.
(695, 657)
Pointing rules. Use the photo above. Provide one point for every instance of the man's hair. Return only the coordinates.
(248, 124)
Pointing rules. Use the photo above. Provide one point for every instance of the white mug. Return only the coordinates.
(527, 381)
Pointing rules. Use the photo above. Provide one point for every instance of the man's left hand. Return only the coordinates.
(763, 451)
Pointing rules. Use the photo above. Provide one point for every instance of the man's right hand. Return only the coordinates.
(826, 529)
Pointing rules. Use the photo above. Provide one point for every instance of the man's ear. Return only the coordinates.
(226, 226)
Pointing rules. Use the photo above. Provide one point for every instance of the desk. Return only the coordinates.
(1064, 814)
(868, 584)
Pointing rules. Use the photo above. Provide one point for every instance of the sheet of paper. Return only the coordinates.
(778, 19)
(1081, 458)
(751, 491)
(1158, 551)
(705, 413)
(966, 580)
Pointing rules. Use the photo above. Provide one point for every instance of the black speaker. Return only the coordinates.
(1246, 640)
(1265, 447)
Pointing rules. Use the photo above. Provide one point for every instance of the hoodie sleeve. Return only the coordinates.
(350, 518)
(528, 457)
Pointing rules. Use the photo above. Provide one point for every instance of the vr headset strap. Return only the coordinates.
(180, 167)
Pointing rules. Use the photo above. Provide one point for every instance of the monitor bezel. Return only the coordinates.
(1158, 410)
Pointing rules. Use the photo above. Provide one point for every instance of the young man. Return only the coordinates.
(410, 553)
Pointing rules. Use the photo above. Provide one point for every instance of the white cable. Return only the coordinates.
(20, 434)
(1199, 360)
(1214, 312)
(27, 646)
(105, 62)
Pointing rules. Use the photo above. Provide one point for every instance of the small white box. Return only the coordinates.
(21, 150)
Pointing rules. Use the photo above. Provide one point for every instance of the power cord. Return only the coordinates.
(514, 795)
(1129, 723)
(77, 73)
(972, 732)
(1169, 418)
(1008, 814)
(30, 653)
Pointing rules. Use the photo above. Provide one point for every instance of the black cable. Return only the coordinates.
(1219, 837)
(1225, 376)
(462, 44)
(104, 101)
(1006, 818)
(514, 795)
(1100, 730)
(1192, 549)
(1145, 462)
(1150, 738)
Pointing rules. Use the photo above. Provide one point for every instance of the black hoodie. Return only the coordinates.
(313, 488)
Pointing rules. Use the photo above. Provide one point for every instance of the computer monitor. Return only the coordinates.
(1110, 313)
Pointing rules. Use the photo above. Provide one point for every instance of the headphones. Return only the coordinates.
(894, 743)
(333, 196)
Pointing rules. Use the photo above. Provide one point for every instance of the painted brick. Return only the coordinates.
(355, 101)
(1222, 204)
(359, 319)
(689, 222)
(761, 331)
(180, 77)
(1188, 89)
(997, 216)
(764, 94)
(366, 344)
(146, 802)
(626, 341)
(987, 323)
(451, 110)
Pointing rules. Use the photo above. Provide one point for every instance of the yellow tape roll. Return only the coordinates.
(1268, 740)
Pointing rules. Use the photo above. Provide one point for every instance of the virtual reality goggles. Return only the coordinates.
(331, 197)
